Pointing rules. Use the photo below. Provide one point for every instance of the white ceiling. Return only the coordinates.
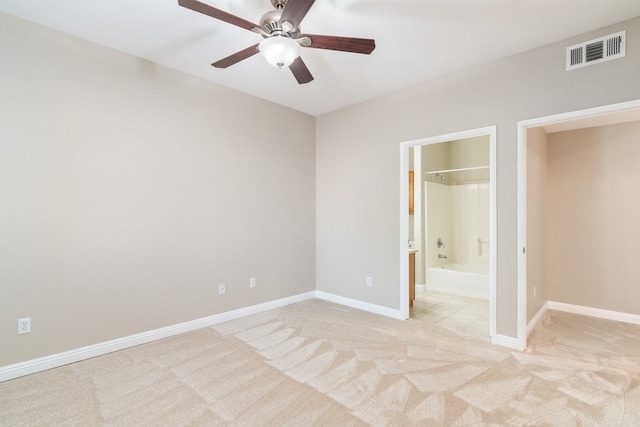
(416, 40)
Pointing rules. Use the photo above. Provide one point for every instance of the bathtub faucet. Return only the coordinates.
(441, 256)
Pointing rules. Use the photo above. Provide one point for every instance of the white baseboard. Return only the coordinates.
(509, 342)
(41, 364)
(360, 305)
(537, 318)
(595, 312)
(421, 288)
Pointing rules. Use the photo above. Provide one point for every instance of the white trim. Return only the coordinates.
(53, 361)
(360, 305)
(555, 120)
(509, 342)
(521, 314)
(404, 229)
(595, 312)
(580, 114)
(493, 220)
(537, 318)
(490, 131)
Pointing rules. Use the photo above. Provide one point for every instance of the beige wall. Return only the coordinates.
(358, 165)
(436, 157)
(458, 154)
(129, 191)
(470, 152)
(537, 214)
(594, 206)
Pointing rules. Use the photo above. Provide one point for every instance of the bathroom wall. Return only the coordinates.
(593, 211)
(416, 222)
(436, 156)
(469, 152)
(415, 213)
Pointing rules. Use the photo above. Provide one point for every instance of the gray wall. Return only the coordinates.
(357, 159)
(129, 191)
(537, 220)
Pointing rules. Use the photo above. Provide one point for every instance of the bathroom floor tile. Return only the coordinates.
(462, 314)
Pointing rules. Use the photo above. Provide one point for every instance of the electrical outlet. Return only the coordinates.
(252, 282)
(24, 325)
(535, 291)
(222, 289)
(369, 281)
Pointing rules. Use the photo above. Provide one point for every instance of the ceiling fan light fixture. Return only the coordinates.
(279, 51)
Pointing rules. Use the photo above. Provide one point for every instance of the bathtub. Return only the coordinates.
(457, 279)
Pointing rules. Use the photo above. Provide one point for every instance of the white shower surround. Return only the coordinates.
(459, 215)
(458, 279)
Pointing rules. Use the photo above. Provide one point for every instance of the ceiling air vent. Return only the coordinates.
(598, 50)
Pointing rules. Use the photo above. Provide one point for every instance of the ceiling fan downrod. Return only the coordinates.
(279, 4)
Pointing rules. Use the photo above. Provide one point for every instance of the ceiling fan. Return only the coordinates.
(280, 29)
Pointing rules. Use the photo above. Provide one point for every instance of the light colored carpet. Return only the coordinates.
(317, 363)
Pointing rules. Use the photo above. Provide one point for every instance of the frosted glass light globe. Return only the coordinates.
(279, 51)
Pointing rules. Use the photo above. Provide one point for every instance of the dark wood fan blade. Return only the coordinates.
(237, 57)
(216, 13)
(295, 10)
(345, 44)
(300, 71)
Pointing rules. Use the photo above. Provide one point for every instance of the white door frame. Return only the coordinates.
(489, 131)
(598, 116)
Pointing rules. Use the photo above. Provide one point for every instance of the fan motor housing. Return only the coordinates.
(270, 22)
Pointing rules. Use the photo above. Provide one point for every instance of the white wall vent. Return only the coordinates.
(597, 50)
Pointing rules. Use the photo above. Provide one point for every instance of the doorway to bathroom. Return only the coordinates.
(448, 231)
